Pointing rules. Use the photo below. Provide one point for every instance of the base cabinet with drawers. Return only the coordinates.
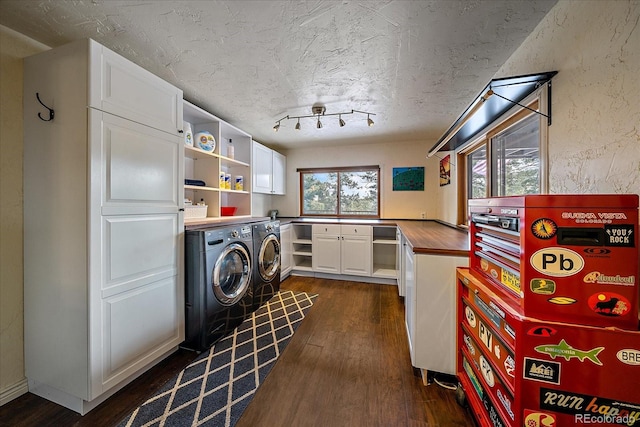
(342, 249)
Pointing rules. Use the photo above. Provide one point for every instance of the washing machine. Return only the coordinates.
(266, 252)
(218, 291)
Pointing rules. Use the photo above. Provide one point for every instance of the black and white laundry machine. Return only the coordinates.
(267, 253)
(218, 291)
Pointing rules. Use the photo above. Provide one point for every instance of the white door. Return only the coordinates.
(356, 255)
(286, 258)
(135, 292)
(120, 87)
(410, 299)
(262, 169)
(279, 173)
(326, 253)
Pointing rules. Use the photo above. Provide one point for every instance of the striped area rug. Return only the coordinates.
(216, 388)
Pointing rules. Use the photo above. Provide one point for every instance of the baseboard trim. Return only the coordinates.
(14, 391)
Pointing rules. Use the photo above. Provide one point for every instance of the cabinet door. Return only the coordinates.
(285, 240)
(326, 253)
(279, 173)
(262, 169)
(140, 168)
(410, 300)
(356, 255)
(120, 87)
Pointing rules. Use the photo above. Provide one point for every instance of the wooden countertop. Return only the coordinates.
(425, 236)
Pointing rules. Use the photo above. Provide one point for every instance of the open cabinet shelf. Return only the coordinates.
(215, 168)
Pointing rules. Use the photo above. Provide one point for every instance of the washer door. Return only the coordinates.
(269, 258)
(231, 274)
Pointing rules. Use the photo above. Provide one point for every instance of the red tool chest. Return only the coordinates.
(548, 311)
(520, 371)
(568, 258)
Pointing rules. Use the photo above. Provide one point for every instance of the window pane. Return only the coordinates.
(477, 173)
(359, 193)
(320, 193)
(515, 155)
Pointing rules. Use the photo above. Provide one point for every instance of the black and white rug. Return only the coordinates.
(216, 388)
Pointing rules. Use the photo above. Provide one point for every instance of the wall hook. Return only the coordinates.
(51, 112)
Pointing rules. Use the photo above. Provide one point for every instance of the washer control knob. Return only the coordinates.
(234, 233)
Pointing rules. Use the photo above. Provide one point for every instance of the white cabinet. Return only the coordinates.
(269, 168)
(103, 292)
(207, 167)
(342, 249)
(430, 309)
(286, 257)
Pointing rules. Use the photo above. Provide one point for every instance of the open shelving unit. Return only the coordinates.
(208, 166)
(385, 252)
(302, 248)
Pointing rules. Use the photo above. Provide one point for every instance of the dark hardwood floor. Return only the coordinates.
(347, 364)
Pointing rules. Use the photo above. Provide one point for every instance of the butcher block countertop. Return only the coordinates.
(426, 236)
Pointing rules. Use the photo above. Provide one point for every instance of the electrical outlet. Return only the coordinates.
(422, 215)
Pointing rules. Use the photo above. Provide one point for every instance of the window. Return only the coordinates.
(342, 192)
(506, 161)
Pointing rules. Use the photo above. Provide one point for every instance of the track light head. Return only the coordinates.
(298, 124)
(276, 127)
(342, 123)
(369, 121)
(319, 125)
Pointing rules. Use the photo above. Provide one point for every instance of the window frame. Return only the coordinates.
(536, 102)
(370, 168)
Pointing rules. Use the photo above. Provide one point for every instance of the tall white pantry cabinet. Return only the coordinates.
(103, 193)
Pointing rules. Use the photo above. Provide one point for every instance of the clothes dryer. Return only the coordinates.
(218, 291)
(266, 249)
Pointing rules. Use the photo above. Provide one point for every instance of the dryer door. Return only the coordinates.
(231, 274)
(269, 258)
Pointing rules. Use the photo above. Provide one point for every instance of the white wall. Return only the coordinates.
(13, 47)
(594, 140)
(394, 204)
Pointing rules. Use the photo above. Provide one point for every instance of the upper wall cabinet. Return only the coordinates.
(268, 170)
(118, 88)
(220, 177)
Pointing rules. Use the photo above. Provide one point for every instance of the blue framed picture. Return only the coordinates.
(408, 179)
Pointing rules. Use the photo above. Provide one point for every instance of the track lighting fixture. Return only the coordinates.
(318, 111)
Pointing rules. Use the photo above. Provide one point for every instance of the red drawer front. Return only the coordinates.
(493, 386)
(482, 406)
(500, 354)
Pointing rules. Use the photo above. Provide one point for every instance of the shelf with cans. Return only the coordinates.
(548, 311)
(217, 169)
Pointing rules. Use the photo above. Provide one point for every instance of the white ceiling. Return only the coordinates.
(416, 64)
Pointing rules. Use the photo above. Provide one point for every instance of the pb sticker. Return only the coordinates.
(557, 262)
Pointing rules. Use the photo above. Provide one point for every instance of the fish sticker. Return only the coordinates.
(563, 349)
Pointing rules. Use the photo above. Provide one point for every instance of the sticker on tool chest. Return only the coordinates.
(541, 370)
(620, 235)
(589, 409)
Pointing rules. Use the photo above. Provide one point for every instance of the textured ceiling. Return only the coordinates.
(416, 64)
